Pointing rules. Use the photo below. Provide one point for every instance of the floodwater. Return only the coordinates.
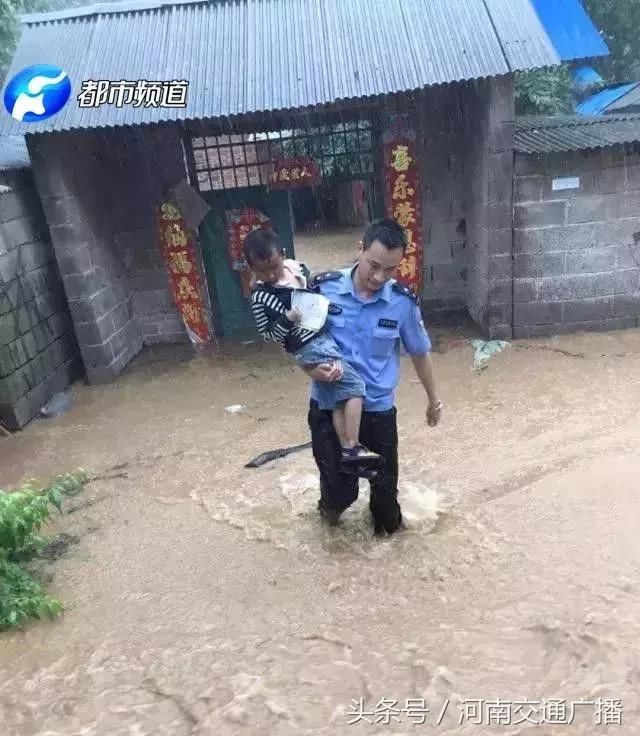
(206, 598)
(326, 249)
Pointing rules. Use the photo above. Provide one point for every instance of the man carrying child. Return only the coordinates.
(370, 316)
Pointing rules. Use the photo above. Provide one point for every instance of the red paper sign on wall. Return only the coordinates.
(178, 251)
(402, 194)
(292, 173)
(240, 222)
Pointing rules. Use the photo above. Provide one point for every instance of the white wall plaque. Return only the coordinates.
(571, 182)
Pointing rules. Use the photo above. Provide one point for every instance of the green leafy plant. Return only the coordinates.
(544, 91)
(23, 513)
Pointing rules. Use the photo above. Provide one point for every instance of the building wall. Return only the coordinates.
(155, 160)
(38, 351)
(490, 127)
(577, 252)
(100, 191)
(441, 142)
(467, 172)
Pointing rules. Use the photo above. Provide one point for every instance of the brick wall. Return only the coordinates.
(577, 252)
(99, 191)
(38, 350)
(468, 182)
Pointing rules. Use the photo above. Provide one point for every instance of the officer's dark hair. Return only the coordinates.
(388, 232)
(260, 245)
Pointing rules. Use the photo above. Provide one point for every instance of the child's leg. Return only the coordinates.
(346, 420)
(352, 451)
(352, 417)
(345, 395)
(339, 425)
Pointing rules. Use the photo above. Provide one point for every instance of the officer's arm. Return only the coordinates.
(424, 370)
(326, 372)
(418, 345)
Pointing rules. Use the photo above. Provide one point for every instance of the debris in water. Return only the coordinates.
(234, 408)
(266, 457)
(57, 404)
(485, 350)
(58, 547)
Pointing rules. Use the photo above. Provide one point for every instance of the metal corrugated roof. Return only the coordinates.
(13, 153)
(631, 99)
(243, 56)
(574, 133)
(570, 29)
(598, 103)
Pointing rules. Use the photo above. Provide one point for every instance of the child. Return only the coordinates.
(275, 280)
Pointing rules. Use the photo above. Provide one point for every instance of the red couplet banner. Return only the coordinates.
(402, 194)
(178, 250)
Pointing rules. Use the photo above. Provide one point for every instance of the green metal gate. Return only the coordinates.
(232, 171)
(232, 314)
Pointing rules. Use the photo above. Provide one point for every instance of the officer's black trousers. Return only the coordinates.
(379, 433)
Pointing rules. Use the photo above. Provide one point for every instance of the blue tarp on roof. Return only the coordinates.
(570, 29)
(598, 103)
(586, 76)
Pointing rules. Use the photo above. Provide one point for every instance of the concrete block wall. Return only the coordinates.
(154, 161)
(38, 350)
(443, 166)
(475, 134)
(467, 172)
(577, 252)
(489, 133)
(99, 192)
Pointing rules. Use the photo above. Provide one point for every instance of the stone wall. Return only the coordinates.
(38, 350)
(577, 252)
(99, 191)
(467, 172)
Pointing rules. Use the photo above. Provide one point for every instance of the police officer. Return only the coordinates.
(370, 317)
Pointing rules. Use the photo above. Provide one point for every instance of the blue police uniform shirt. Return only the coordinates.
(370, 333)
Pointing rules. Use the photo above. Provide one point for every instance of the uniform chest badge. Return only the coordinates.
(390, 324)
(335, 309)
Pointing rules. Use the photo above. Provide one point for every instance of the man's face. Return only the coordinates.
(377, 264)
(270, 271)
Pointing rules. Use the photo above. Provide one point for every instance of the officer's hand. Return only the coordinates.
(327, 372)
(434, 412)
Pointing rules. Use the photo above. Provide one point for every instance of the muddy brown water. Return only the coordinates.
(327, 249)
(206, 598)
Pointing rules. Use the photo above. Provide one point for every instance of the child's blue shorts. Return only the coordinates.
(324, 349)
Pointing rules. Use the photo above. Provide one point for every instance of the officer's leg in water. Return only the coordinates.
(338, 490)
(379, 432)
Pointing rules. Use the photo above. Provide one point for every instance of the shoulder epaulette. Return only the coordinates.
(406, 291)
(320, 278)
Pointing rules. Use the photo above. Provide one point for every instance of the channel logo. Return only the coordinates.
(36, 93)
